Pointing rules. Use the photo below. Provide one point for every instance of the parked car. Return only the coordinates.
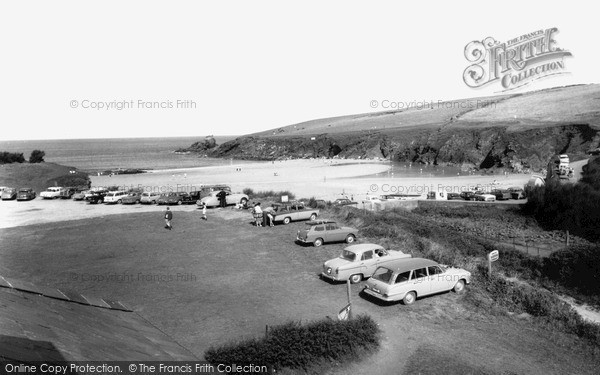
(206, 190)
(9, 194)
(468, 195)
(501, 194)
(179, 197)
(67, 192)
(149, 197)
(52, 192)
(133, 197)
(483, 197)
(212, 200)
(320, 231)
(288, 212)
(96, 196)
(80, 195)
(454, 196)
(25, 194)
(343, 202)
(358, 262)
(517, 193)
(408, 279)
(115, 197)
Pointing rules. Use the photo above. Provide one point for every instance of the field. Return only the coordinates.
(208, 283)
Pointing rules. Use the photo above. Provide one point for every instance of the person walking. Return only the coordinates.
(168, 217)
(204, 211)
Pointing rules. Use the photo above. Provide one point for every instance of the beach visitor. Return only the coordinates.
(222, 195)
(270, 211)
(258, 215)
(204, 211)
(168, 217)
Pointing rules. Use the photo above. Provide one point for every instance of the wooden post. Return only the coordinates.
(349, 300)
(266, 330)
(489, 267)
(568, 238)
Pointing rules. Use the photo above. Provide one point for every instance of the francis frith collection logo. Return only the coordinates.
(514, 63)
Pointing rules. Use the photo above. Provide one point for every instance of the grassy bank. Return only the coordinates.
(437, 234)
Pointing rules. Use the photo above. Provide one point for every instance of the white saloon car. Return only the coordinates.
(115, 196)
(407, 279)
(212, 200)
(358, 262)
(52, 192)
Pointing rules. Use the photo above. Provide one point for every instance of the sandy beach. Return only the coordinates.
(319, 178)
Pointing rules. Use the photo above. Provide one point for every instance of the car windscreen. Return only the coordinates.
(348, 255)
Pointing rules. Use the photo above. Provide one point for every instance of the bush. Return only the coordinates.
(78, 179)
(37, 156)
(11, 157)
(268, 194)
(293, 345)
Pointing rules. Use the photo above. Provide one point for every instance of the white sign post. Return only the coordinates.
(492, 257)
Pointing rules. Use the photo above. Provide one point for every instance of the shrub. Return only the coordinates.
(78, 179)
(37, 156)
(293, 345)
(11, 157)
(268, 194)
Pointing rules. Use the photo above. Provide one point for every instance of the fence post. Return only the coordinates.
(568, 238)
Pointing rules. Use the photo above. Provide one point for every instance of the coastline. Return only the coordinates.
(326, 179)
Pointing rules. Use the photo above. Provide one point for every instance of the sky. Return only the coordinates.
(115, 69)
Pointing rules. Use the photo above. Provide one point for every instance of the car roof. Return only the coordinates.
(407, 264)
(322, 221)
(359, 248)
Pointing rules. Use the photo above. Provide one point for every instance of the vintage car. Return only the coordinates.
(206, 190)
(320, 231)
(343, 202)
(9, 194)
(133, 197)
(25, 194)
(501, 194)
(358, 262)
(96, 196)
(468, 195)
(517, 193)
(407, 279)
(149, 197)
(80, 195)
(53, 192)
(484, 197)
(67, 192)
(212, 200)
(176, 197)
(288, 212)
(113, 197)
(454, 196)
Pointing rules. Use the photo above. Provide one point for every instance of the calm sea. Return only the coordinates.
(102, 154)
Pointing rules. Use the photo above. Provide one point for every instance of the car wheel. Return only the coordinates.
(318, 242)
(119, 202)
(287, 220)
(459, 287)
(355, 279)
(409, 298)
(244, 201)
(179, 202)
(350, 238)
(313, 216)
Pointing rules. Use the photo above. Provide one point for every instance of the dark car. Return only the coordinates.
(96, 197)
(454, 196)
(179, 197)
(25, 194)
(467, 195)
(320, 231)
(501, 194)
(343, 202)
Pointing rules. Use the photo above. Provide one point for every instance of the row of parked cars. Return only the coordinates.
(492, 196)
(206, 195)
(392, 274)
